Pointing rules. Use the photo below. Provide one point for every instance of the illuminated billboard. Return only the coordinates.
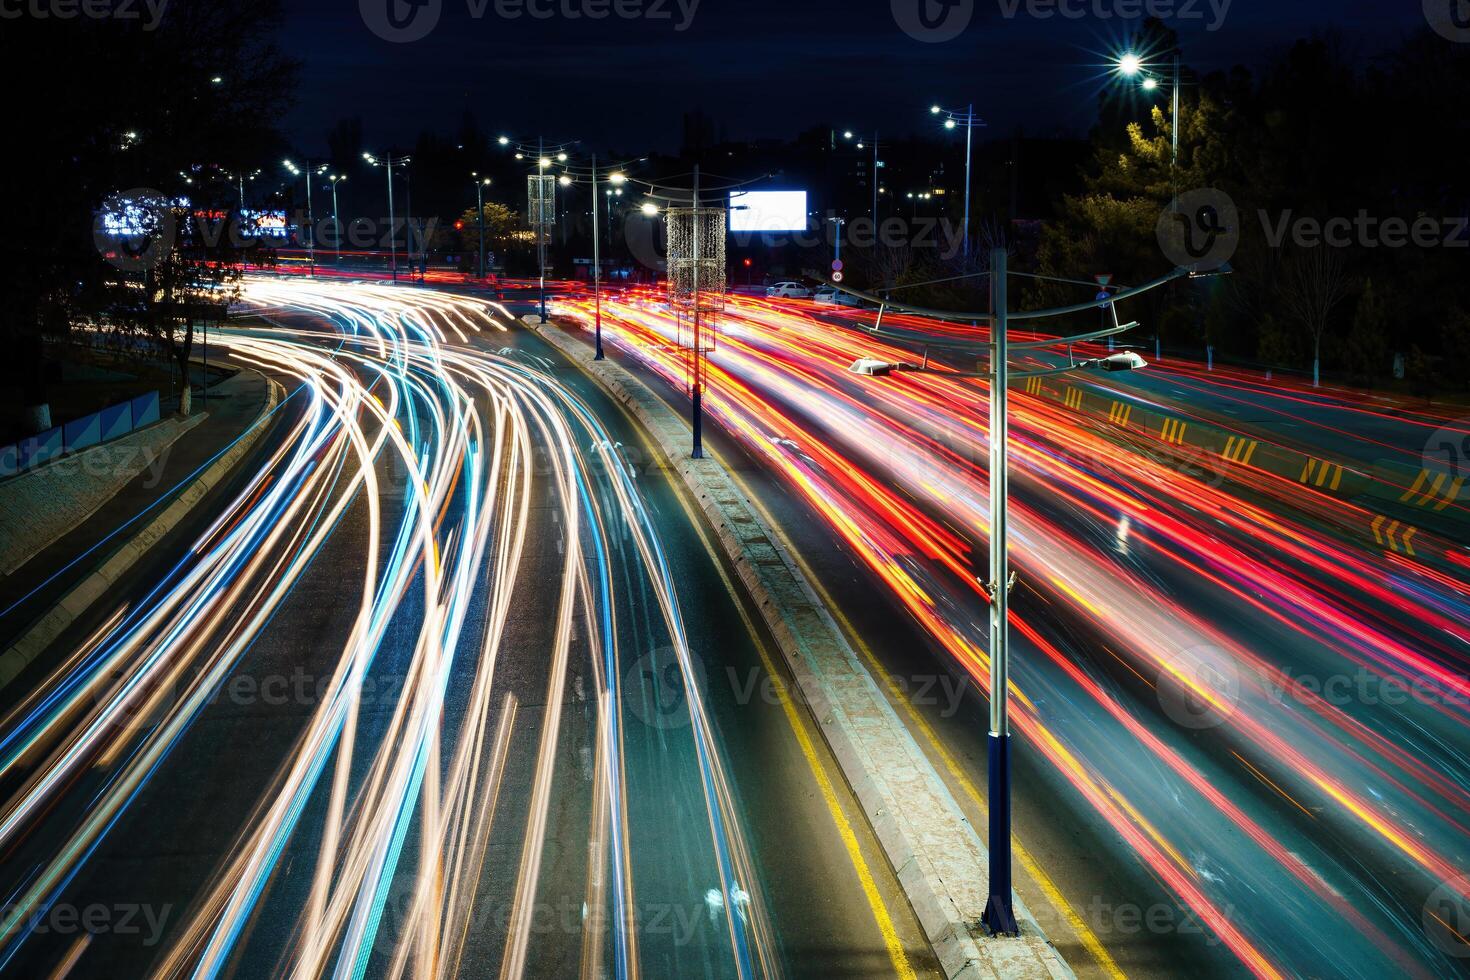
(768, 211)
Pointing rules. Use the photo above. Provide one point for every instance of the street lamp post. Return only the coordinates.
(1130, 65)
(952, 119)
(480, 183)
(848, 135)
(999, 915)
(336, 220)
(310, 214)
(388, 164)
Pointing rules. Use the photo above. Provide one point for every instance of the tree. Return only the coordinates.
(126, 103)
(1366, 350)
(1313, 285)
(500, 222)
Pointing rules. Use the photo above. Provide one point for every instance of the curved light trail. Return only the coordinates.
(1178, 638)
(371, 837)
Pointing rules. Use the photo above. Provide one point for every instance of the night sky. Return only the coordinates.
(759, 68)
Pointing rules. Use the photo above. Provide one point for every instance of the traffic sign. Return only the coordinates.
(836, 265)
(837, 276)
(1103, 278)
(1103, 298)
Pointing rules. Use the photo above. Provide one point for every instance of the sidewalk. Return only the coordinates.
(31, 591)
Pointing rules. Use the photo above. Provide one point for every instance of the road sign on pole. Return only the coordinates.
(837, 276)
(836, 265)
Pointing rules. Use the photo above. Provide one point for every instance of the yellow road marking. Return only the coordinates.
(896, 953)
(1048, 887)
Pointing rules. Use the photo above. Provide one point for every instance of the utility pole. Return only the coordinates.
(310, 222)
(1000, 916)
(698, 354)
(480, 217)
(541, 185)
(596, 266)
(969, 141)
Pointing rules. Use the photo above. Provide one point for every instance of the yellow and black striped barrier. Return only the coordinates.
(1119, 413)
(1320, 473)
(1435, 490)
(1073, 398)
(1172, 431)
(1239, 449)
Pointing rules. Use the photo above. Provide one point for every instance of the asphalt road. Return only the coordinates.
(180, 789)
(1239, 736)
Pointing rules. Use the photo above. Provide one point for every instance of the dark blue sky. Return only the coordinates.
(758, 67)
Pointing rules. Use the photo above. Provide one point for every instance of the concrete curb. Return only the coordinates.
(45, 630)
(939, 860)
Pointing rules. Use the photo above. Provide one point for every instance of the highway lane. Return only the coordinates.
(1212, 689)
(367, 723)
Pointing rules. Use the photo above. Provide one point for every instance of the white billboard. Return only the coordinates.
(768, 211)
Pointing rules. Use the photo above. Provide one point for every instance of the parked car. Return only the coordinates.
(835, 297)
(788, 290)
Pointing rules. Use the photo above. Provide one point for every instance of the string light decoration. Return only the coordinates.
(696, 259)
(541, 204)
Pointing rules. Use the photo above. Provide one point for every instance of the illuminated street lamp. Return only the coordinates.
(388, 163)
(847, 134)
(952, 120)
(1130, 65)
(310, 214)
(480, 184)
(336, 221)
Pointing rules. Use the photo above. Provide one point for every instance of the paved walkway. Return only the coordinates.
(47, 576)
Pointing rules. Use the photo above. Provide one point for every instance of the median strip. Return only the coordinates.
(938, 858)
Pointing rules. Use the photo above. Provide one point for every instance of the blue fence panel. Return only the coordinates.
(39, 448)
(116, 420)
(145, 409)
(83, 432)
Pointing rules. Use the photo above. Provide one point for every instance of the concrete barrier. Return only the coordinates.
(939, 859)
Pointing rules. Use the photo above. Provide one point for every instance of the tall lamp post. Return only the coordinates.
(480, 184)
(952, 120)
(335, 179)
(310, 215)
(847, 134)
(1000, 916)
(388, 163)
(1130, 65)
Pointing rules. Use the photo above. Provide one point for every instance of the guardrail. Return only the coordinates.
(83, 433)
